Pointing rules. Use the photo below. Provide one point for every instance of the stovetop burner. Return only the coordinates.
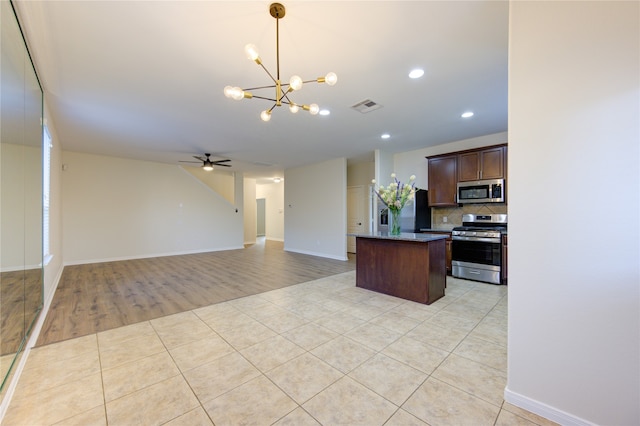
(483, 223)
(480, 228)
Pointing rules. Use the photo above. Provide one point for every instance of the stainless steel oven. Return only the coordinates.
(476, 247)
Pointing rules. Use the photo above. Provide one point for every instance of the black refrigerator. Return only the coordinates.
(416, 215)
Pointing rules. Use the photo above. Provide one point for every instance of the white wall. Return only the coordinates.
(13, 191)
(218, 179)
(273, 193)
(574, 300)
(21, 194)
(250, 211)
(116, 208)
(414, 162)
(53, 269)
(383, 166)
(315, 215)
(360, 174)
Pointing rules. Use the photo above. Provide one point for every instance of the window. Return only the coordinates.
(46, 188)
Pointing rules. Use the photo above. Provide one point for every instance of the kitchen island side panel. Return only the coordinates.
(407, 269)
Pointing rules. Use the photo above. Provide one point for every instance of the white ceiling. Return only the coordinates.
(145, 79)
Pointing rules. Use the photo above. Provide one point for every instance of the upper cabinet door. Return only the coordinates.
(484, 164)
(492, 164)
(442, 174)
(469, 166)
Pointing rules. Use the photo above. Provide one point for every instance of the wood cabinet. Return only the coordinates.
(445, 171)
(487, 163)
(443, 179)
(409, 269)
(447, 247)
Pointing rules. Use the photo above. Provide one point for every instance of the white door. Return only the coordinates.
(356, 215)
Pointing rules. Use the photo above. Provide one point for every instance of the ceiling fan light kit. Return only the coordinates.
(207, 164)
(282, 90)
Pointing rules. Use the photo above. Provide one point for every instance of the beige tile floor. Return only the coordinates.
(323, 352)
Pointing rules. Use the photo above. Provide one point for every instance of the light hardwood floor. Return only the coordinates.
(20, 299)
(101, 296)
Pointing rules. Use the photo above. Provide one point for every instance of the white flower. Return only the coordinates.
(397, 194)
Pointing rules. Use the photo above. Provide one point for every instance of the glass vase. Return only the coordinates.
(394, 226)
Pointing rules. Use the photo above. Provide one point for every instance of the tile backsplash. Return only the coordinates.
(453, 215)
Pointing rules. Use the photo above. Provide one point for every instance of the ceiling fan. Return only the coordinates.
(207, 164)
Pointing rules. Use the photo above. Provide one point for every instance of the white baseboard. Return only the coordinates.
(148, 256)
(544, 410)
(280, 240)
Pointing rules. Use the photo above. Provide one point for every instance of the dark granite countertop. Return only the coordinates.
(436, 231)
(405, 236)
(448, 231)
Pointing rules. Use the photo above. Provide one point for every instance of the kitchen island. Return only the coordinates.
(409, 266)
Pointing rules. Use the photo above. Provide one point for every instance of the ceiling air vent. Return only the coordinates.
(366, 106)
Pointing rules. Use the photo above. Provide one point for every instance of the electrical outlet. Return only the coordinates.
(445, 219)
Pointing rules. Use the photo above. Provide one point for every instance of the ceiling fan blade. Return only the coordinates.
(220, 161)
(222, 165)
(198, 157)
(181, 161)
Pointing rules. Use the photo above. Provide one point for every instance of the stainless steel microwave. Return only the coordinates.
(481, 191)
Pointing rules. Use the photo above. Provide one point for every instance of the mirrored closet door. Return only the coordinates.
(21, 274)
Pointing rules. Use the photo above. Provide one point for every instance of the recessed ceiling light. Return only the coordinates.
(385, 136)
(276, 180)
(416, 73)
(467, 114)
(324, 112)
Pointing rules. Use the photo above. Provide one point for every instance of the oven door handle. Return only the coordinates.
(476, 239)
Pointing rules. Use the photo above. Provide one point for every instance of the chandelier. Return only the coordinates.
(282, 90)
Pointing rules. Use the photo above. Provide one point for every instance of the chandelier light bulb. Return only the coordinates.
(237, 93)
(265, 115)
(294, 108)
(234, 93)
(252, 51)
(295, 82)
(314, 109)
(331, 78)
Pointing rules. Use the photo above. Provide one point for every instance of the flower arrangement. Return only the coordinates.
(395, 196)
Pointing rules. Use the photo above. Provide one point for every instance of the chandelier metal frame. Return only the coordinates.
(282, 90)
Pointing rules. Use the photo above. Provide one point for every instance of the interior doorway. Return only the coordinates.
(356, 214)
(260, 217)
